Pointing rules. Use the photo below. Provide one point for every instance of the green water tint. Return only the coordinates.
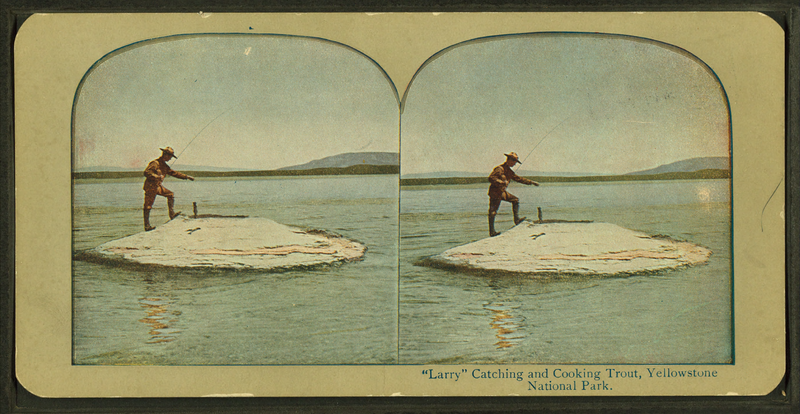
(341, 314)
(360, 313)
(676, 316)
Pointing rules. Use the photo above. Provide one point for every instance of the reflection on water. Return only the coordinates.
(160, 319)
(679, 316)
(347, 314)
(507, 326)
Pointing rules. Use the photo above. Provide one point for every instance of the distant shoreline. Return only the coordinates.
(394, 169)
(695, 175)
(352, 170)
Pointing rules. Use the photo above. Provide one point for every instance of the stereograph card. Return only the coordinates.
(400, 204)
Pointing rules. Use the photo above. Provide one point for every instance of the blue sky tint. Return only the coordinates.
(274, 101)
(610, 104)
(614, 105)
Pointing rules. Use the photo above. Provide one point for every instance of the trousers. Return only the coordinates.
(150, 197)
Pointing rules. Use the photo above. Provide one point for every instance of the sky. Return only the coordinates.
(232, 101)
(563, 102)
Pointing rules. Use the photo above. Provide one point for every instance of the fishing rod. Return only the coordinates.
(201, 131)
(543, 138)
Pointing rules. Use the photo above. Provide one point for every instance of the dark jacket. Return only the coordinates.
(156, 171)
(499, 179)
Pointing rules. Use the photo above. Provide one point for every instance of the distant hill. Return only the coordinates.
(381, 162)
(351, 170)
(686, 166)
(690, 165)
(350, 159)
(705, 174)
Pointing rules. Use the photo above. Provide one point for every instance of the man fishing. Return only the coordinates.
(155, 172)
(499, 179)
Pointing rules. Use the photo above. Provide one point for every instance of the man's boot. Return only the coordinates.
(515, 209)
(492, 233)
(172, 212)
(146, 214)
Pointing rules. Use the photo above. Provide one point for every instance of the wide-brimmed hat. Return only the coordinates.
(170, 151)
(513, 156)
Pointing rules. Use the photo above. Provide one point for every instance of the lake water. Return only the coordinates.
(344, 314)
(678, 316)
(362, 313)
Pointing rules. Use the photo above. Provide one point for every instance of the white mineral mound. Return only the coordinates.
(572, 248)
(228, 243)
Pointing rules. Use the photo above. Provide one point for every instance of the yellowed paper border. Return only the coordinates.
(53, 52)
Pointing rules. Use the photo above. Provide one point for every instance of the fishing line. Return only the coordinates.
(543, 138)
(201, 131)
(206, 126)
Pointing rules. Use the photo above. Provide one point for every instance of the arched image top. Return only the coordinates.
(232, 174)
(604, 162)
(600, 103)
(233, 101)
